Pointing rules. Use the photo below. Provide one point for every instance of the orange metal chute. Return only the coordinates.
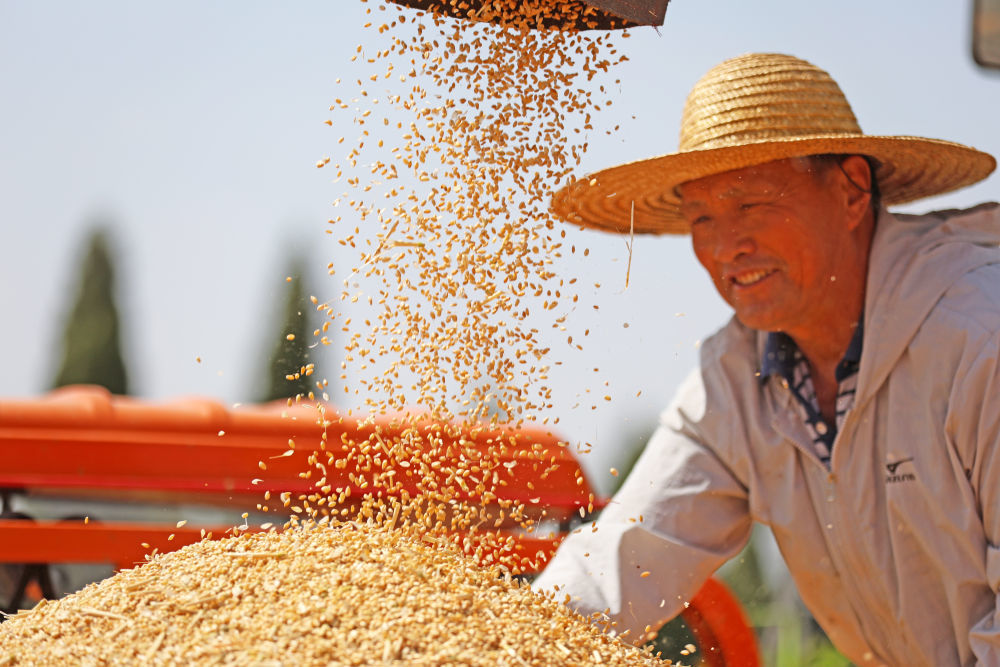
(82, 438)
(81, 442)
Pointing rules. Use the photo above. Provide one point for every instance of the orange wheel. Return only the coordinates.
(724, 635)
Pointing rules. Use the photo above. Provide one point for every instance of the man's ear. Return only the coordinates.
(858, 177)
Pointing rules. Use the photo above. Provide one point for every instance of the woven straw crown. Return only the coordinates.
(750, 110)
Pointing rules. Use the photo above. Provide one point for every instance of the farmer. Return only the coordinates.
(853, 402)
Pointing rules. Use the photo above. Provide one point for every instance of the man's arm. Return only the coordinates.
(679, 516)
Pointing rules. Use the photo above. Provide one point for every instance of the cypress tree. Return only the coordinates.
(91, 341)
(290, 354)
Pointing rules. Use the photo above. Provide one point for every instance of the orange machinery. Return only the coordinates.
(81, 442)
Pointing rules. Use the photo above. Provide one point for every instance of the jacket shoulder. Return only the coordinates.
(985, 212)
(972, 302)
(716, 396)
(734, 346)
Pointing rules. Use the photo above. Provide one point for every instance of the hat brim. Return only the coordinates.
(641, 197)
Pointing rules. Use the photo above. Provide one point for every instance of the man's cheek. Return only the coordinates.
(723, 288)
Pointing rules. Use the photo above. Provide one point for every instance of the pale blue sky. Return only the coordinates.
(195, 127)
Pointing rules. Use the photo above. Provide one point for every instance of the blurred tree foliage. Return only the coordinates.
(787, 634)
(91, 341)
(290, 353)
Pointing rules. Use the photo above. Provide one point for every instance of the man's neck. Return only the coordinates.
(824, 339)
(824, 356)
(825, 353)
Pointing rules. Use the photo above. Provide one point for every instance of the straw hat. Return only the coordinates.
(750, 110)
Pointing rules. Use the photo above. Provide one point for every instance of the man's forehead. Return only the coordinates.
(769, 177)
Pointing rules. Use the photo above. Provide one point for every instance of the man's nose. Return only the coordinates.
(732, 242)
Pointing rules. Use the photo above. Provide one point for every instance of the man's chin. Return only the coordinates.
(758, 321)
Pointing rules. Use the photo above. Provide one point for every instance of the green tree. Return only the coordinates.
(91, 341)
(289, 371)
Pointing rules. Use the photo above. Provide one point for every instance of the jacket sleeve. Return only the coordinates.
(984, 472)
(679, 516)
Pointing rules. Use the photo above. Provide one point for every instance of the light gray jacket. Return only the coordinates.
(896, 548)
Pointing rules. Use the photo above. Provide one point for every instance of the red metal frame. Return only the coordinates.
(81, 441)
(82, 438)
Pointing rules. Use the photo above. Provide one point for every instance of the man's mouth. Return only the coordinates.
(748, 278)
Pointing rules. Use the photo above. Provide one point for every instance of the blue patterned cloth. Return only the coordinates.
(783, 359)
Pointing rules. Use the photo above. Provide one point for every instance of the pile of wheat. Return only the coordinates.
(349, 595)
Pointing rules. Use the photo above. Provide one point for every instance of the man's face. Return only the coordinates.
(775, 240)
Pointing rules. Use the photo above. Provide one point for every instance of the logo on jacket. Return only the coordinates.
(896, 476)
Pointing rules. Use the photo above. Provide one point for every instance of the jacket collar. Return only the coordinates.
(781, 355)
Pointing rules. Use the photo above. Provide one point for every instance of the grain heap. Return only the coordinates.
(448, 201)
(337, 596)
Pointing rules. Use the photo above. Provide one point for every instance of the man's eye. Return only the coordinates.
(700, 218)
